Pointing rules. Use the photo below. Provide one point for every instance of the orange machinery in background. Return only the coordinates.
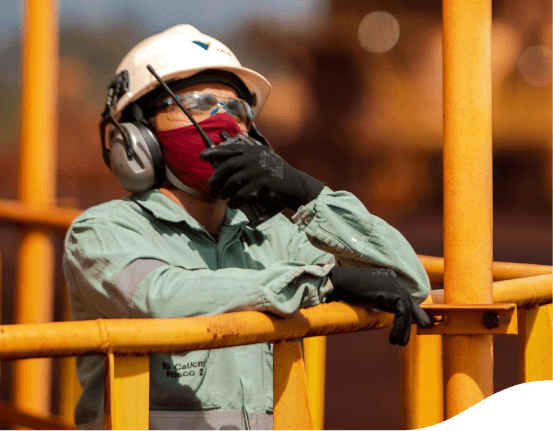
(467, 308)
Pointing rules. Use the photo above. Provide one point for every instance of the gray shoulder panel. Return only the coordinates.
(130, 278)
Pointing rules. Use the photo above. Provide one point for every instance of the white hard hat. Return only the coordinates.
(180, 52)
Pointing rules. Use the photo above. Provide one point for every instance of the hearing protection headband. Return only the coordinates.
(117, 88)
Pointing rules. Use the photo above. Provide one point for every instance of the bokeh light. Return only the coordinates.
(535, 65)
(378, 32)
(506, 47)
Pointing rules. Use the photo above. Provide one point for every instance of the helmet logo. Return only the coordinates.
(202, 44)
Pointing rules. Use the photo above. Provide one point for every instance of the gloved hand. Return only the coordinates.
(255, 172)
(379, 288)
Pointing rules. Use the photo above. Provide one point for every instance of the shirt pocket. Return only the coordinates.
(182, 381)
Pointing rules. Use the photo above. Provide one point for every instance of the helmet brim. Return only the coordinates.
(255, 82)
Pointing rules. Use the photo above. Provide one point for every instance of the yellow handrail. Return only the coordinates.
(143, 336)
(434, 267)
(118, 337)
(525, 292)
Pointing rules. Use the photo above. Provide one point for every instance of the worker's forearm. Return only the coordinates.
(283, 289)
(338, 223)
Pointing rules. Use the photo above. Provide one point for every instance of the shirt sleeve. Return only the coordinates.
(117, 273)
(338, 223)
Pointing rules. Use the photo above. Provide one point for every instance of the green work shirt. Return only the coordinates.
(144, 256)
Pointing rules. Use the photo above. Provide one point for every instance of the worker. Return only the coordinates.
(194, 240)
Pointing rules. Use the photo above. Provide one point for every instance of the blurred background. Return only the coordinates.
(356, 102)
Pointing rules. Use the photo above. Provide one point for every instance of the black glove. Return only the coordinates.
(379, 288)
(255, 172)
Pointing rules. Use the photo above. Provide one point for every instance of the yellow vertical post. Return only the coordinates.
(422, 381)
(315, 362)
(468, 216)
(70, 388)
(126, 392)
(36, 185)
(292, 410)
(535, 338)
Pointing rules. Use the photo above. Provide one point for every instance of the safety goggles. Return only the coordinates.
(200, 104)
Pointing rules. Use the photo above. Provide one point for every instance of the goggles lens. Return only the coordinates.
(200, 105)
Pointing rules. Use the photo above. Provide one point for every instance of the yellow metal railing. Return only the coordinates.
(127, 342)
(125, 376)
(527, 285)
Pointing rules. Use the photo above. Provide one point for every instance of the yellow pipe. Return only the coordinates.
(225, 330)
(36, 185)
(422, 381)
(535, 338)
(434, 267)
(468, 215)
(35, 280)
(69, 388)
(127, 392)
(315, 358)
(292, 410)
(142, 336)
(467, 152)
(525, 292)
(37, 162)
(39, 214)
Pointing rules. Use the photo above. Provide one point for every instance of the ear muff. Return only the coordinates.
(138, 166)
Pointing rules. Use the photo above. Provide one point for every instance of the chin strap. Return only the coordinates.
(183, 187)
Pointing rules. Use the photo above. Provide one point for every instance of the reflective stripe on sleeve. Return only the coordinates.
(130, 278)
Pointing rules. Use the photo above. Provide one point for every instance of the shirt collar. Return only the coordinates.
(164, 208)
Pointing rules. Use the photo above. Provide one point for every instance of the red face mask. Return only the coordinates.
(182, 148)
